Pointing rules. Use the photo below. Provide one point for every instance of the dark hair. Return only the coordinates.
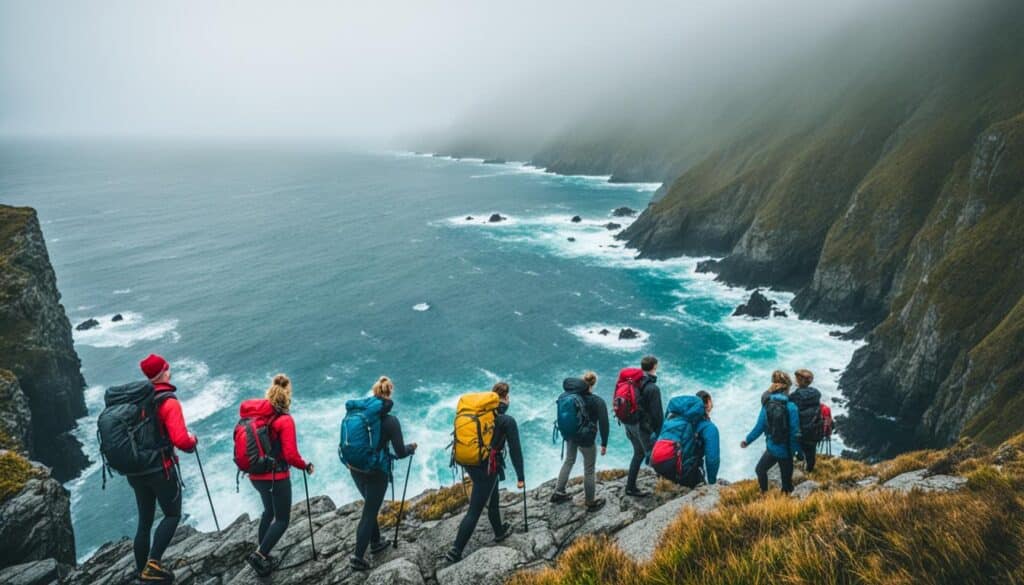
(703, 394)
(647, 364)
(501, 389)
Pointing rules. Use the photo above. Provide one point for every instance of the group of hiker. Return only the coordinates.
(142, 424)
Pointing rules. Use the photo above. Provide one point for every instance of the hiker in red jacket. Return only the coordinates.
(161, 487)
(274, 486)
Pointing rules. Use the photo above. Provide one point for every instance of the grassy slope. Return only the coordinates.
(841, 534)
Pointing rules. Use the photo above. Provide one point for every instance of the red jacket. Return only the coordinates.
(282, 432)
(172, 424)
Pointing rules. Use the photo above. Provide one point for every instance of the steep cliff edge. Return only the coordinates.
(36, 344)
(898, 210)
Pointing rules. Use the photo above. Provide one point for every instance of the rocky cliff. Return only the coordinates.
(36, 349)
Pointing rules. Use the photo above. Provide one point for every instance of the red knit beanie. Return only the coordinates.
(153, 366)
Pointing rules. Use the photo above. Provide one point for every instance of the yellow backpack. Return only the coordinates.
(474, 427)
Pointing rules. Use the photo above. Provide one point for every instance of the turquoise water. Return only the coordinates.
(237, 262)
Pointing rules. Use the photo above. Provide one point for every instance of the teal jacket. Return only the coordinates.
(779, 451)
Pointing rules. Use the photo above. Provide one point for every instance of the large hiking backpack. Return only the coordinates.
(256, 451)
(808, 404)
(827, 424)
(678, 453)
(474, 428)
(131, 442)
(572, 421)
(777, 421)
(626, 399)
(359, 447)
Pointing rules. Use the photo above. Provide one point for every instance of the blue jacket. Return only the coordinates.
(779, 451)
(712, 456)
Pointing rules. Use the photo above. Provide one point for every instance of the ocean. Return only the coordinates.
(239, 261)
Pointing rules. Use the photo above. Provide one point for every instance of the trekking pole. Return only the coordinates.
(206, 487)
(401, 506)
(526, 524)
(309, 514)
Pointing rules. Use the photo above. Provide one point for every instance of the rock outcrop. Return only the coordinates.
(496, 217)
(757, 306)
(35, 520)
(36, 344)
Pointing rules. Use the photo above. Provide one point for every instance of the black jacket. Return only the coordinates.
(652, 414)
(391, 432)
(597, 409)
(507, 431)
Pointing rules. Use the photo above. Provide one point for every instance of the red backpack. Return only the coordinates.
(826, 420)
(627, 394)
(254, 448)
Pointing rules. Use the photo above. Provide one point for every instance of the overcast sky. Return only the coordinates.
(364, 70)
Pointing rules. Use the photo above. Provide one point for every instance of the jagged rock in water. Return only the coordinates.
(779, 313)
(43, 572)
(707, 266)
(469, 218)
(612, 226)
(572, 239)
(37, 521)
(87, 325)
(36, 343)
(757, 306)
(627, 333)
(496, 217)
(624, 212)
(604, 332)
(117, 318)
(576, 219)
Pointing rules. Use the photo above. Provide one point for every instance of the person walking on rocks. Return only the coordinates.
(644, 424)
(488, 474)
(141, 446)
(779, 421)
(812, 424)
(367, 430)
(269, 422)
(582, 415)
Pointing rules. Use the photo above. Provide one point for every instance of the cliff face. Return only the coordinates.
(36, 344)
(899, 210)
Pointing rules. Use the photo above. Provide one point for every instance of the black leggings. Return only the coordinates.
(785, 467)
(642, 444)
(484, 494)
(810, 450)
(150, 490)
(277, 511)
(373, 487)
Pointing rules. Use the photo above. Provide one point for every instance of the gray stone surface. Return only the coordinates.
(34, 573)
(805, 489)
(487, 566)
(640, 539)
(396, 572)
(35, 523)
(920, 480)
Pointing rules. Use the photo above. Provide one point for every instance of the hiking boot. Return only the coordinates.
(595, 505)
(506, 531)
(358, 563)
(153, 572)
(452, 556)
(637, 493)
(259, 563)
(558, 498)
(275, 562)
(378, 547)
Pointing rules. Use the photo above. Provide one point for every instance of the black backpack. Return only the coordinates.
(808, 403)
(777, 421)
(131, 442)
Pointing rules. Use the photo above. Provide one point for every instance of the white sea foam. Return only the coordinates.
(122, 291)
(592, 334)
(421, 307)
(134, 328)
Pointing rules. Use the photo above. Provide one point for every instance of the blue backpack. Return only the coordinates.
(572, 420)
(359, 448)
(679, 451)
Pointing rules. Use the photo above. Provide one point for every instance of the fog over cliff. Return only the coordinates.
(516, 73)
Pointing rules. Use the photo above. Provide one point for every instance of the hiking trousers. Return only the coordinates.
(373, 487)
(152, 489)
(277, 511)
(785, 467)
(589, 463)
(810, 450)
(484, 494)
(642, 445)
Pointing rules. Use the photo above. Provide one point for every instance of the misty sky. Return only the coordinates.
(362, 70)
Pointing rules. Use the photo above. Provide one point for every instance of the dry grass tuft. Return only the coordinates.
(15, 471)
(438, 504)
(591, 561)
(611, 474)
(831, 471)
(664, 487)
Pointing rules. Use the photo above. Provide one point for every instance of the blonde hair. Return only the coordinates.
(780, 382)
(590, 378)
(383, 387)
(501, 389)
(804, 377)
(280, 393)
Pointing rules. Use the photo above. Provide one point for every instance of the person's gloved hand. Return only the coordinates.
(411, 448)
(309, 468)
